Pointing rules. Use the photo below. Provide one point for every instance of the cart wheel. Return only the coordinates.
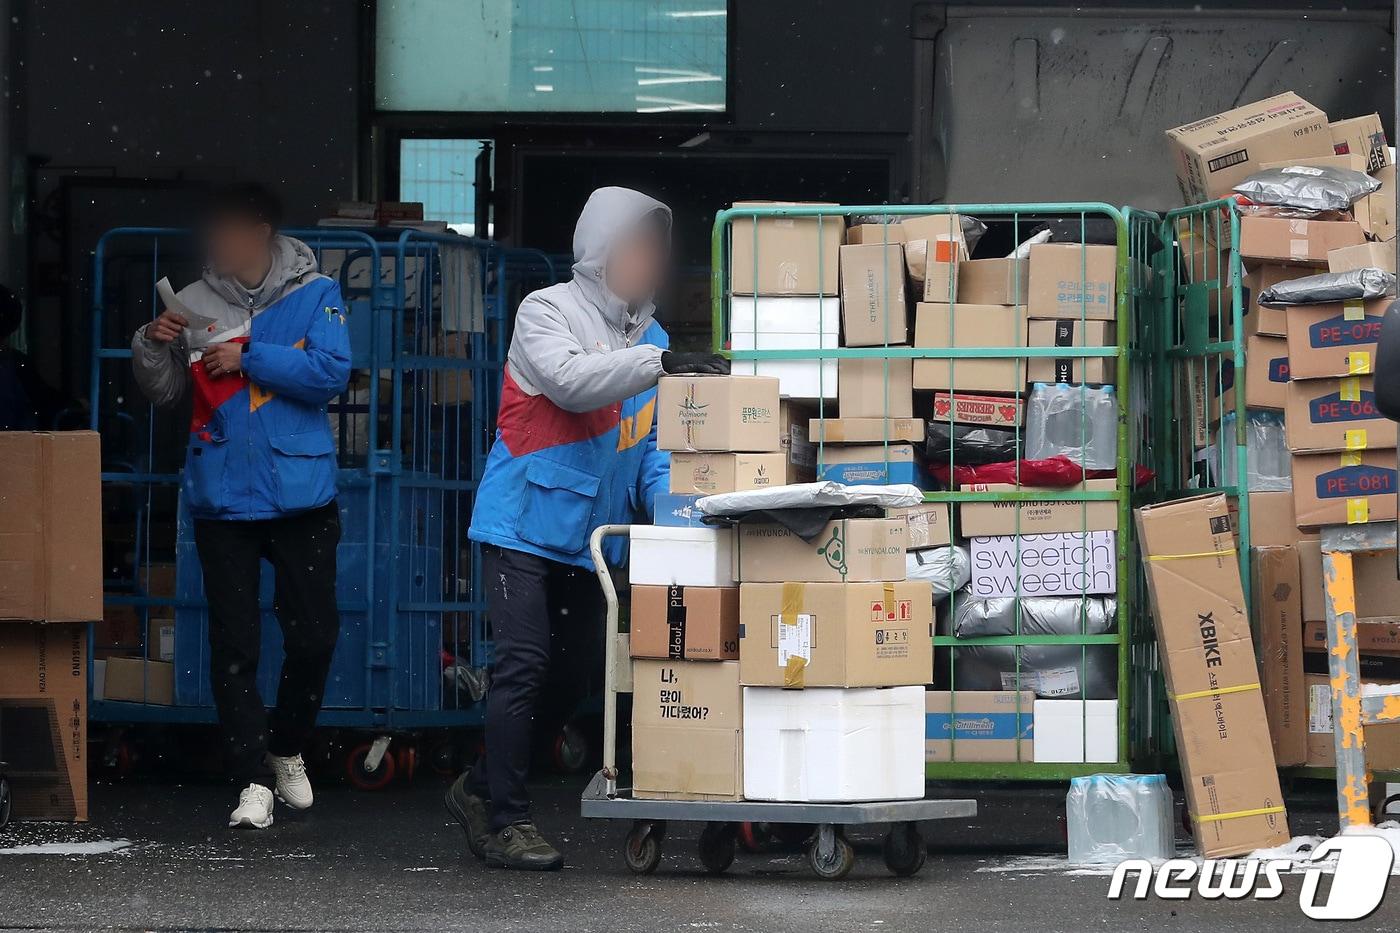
(717, 844)
(754, 836)
(1379, 816)
(643, 848)
(830, 855)
(4, 802)
(406, 762)
(361, 779)
(442, 758)
(904, 849)
(570, 750)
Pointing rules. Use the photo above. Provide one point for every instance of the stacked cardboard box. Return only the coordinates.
(50, 590)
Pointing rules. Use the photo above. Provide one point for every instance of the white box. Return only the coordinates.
(751, 315)
(1061, 730)
(797, 379)
(1065, 564)
(830, 744)
(662, 555)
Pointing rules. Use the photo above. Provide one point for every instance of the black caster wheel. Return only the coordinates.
(1379, 815)
(830, 855)
(904, 849)
(4, 802)
(442, 759)
(643, 848)
(364, 779)
(718, 842)
(570, 750)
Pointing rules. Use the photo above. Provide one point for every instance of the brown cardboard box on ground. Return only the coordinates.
(1382, 741)
(928, 525)
(1364, 137)
(1071, 281)
(865, 430)
(1344, 489)
(996, 411)
(139, 680)
(990, 725)
(1376, 211)
(1271, 520)
(785, 255)
(1214, 154)
(43, 712)
(1099, 370)
(1335, 414)
(706, 474)
(50, 526)
(993, 281)
(1373, 579)
(946, 326)
(836, 634)
(801, 454)
(846, 550)
(977, 519)
(1335, 339)
(718, 413)
(1278, 619)
(875, 388)
(873, 303)
(1285, 239)
(1366, 256)
(1222, 735)
(694, 623)
(687, 730)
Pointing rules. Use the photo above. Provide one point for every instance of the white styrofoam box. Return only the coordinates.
(792, 315)
(830, 744)
(662, 555)
(798, 379)
(1061, 731)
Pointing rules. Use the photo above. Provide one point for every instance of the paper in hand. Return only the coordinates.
(197, 322)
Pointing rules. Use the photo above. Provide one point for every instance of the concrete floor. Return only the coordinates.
(394, 861)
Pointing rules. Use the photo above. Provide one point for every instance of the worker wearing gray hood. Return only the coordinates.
(575, 448)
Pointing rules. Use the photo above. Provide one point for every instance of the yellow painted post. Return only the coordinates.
(1343, 668)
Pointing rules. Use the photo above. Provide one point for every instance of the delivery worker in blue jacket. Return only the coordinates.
(264, 350)
(575, 448)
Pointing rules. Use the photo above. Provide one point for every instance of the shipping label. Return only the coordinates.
(1340, 332)
(794, 639)
(1336, 407)
(1358, 480)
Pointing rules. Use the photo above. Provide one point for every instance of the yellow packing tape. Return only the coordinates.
(1222, 553)
(1347, 460)
(1359, 362)
(794, 676)
(1355, 439)
(1351, 389)
(1219, 691)
(1358, 511)
(1353, 310)
(1237, 814)
(794, 672)
(890, 609)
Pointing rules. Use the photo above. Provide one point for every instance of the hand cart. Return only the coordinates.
(828, 852)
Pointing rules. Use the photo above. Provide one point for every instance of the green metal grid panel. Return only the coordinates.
(743, 221)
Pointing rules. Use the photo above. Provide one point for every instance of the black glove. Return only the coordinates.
(703, 364)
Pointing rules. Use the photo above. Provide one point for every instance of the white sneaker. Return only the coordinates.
(254, 808)
(293, 788)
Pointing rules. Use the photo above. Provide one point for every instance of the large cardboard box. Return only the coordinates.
(1364, 137)
(693, 623)
(1382, 741)
(994, 411)
(1061, 564)
(994, 281)
(1098, 370)
(43, 718)
(873, 303)
(928, 525)
(1278, 612)
(833, 745)
(1376, 211)
(1214, 154)
(875, 388)
(846, 550)
(1072, 281)
(801, 453)
(941, 273)
(873, 464)
(718, 413)
(1203, 636)
(987, 725)
(1336, 339)
(1267, 371)
(140, 680)
(944, 232)
(1271, 520)
(687, 730)
(946, 326)
(1344, 489)
(1368, 255)
(51, 526)
(799, 635)
(866, 430)
(876, 233)
(1373, 580)
(785, 255)
(1335, 414)
(1310, 574)
(707, 474)
(1259, 319)
(980, 519)
(1287, 239)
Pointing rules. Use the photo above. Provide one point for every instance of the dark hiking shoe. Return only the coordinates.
(520, 845)
(471, 811)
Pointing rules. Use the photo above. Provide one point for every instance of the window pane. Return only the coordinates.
(635, 56)
(442, 174)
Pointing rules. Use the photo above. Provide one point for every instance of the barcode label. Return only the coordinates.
(1227, 160)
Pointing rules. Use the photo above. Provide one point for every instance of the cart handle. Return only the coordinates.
(600, 566)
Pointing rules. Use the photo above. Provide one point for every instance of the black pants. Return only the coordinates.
(301, 550)
(528, 599)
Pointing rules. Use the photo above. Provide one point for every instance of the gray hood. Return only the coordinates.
(291, 259)
(610, 214)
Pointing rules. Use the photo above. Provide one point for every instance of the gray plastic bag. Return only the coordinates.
(1308, 187)
(1329, 286)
